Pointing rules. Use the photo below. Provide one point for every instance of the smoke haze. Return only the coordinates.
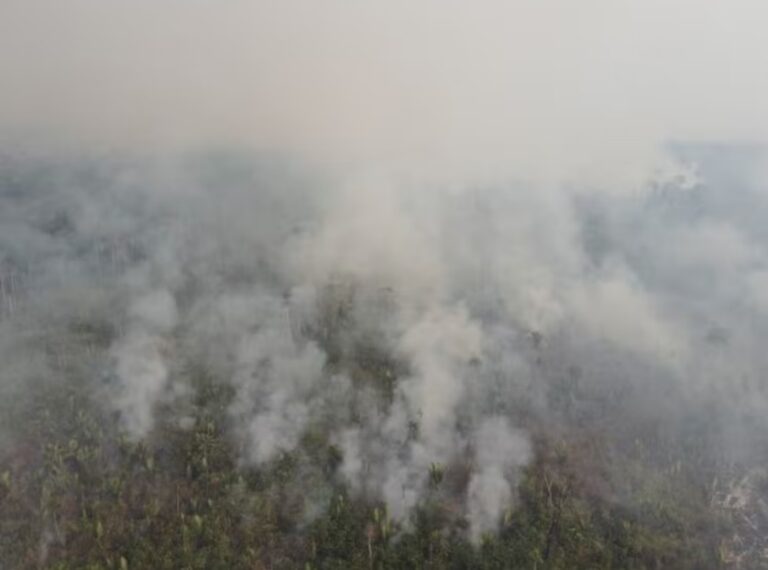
(482, 204)
(520, 88)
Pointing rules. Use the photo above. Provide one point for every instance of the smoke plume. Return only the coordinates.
(400, 225)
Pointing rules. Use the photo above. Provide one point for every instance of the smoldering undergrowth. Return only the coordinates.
(423, 339)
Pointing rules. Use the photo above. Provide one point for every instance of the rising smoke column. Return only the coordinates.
(499, 199)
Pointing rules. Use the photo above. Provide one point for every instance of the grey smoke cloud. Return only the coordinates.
(487, 200)
(275, 282)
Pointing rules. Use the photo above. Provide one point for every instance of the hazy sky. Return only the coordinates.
(558, 89)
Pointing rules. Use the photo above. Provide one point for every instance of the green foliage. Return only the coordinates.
(77, 496)
(74, 493)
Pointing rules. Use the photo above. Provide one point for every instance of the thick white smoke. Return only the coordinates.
(422, 336)
(499, 452)
(468, 198)
(141, 360)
